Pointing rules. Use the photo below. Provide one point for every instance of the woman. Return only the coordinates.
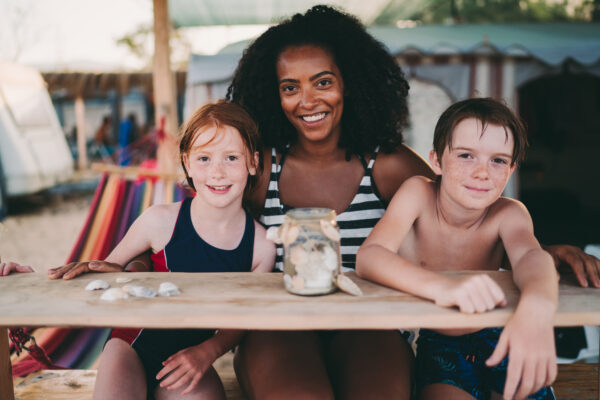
(330, 103)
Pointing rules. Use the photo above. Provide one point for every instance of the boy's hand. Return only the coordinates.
(473, 294)
(8, 267)
(186, 366)
(75, 269)
(528, 340)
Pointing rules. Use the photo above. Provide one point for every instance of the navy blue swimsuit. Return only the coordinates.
(188, 252)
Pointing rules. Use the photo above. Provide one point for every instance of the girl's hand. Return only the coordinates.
(75, 269)
(186, 367)
(528, 340)
(8, 267)
(473, 294)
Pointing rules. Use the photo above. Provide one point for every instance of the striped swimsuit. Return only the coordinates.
(355, 223)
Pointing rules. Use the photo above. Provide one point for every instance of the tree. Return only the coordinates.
(504, 11)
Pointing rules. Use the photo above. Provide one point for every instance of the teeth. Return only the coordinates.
(220, 187)
(314, 117)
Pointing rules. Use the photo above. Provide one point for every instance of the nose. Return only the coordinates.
(308, 98)
(481, 170)
(217, 169)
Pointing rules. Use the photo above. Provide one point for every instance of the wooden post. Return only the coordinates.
(6, 381)
(164, 87)
(81, 134)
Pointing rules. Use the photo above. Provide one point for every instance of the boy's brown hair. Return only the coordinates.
(487, 111)
(219, 114)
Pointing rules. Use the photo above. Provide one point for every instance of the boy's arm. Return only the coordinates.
(137, 240)
(190, 365)
(377, 258)
(528, 337)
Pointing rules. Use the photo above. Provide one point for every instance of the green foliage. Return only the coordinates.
(504, 11)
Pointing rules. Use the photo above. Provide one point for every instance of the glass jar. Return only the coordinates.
(311, 248)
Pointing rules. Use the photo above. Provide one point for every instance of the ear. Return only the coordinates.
(253, 165)
(436, 165)
(186, 161)
(512, 169)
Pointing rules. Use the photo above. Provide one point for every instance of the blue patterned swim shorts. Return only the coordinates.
(460, 361)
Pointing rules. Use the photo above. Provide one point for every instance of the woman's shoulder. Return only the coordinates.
(391, 169)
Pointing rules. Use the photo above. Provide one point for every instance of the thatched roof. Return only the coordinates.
(93, 84)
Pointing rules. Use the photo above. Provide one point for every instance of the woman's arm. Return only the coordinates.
(392, 169)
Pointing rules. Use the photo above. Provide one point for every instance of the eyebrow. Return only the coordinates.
(496, 154)
(312, 78)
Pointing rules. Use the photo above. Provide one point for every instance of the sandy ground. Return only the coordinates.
(40, 230)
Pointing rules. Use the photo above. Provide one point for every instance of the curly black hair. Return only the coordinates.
(375, 105)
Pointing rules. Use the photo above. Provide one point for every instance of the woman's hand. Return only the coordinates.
(186, 367)
(75, 269)
(585, 266)
(8, 267)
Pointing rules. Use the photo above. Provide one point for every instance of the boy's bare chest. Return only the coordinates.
(446, 248)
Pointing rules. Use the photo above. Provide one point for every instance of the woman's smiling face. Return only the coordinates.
(311, 90)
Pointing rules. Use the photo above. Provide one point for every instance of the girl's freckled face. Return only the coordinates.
(311, 90)
(218, 165)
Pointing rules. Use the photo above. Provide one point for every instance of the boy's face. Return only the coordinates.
(475, 171)
(218, 165)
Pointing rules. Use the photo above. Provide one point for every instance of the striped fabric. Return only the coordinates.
(355, 223)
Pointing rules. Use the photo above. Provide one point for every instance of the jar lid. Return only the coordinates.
(310, 213)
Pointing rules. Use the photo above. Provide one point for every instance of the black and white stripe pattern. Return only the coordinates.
(355, 223)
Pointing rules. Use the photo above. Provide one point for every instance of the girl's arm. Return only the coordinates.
(188, 366)
(151, 229)
(264, 250)
(528, 337)
(378, 260)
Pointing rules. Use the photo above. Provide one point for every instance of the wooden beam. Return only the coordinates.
(6, 381)
(165, 104)
(81, 134)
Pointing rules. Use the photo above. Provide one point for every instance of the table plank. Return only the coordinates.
(255, 301)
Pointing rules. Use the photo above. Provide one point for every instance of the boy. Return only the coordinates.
(461, 222)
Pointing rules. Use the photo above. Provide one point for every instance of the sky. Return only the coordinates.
(82, 34)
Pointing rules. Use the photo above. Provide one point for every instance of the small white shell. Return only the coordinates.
(141, 291)
(330, 258)
(329, 230)
(273, 234)
(97, 284)
(167, 289)
(297, 282)
(346, 284)
(287, 280)
(290, 235)
(113, 294)
(298, 255)
(123, 279)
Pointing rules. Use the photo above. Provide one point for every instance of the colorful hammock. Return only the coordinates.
(117, 202)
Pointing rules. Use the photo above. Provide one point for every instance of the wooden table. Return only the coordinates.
(247, 301)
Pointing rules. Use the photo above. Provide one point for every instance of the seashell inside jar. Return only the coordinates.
(311, 248)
